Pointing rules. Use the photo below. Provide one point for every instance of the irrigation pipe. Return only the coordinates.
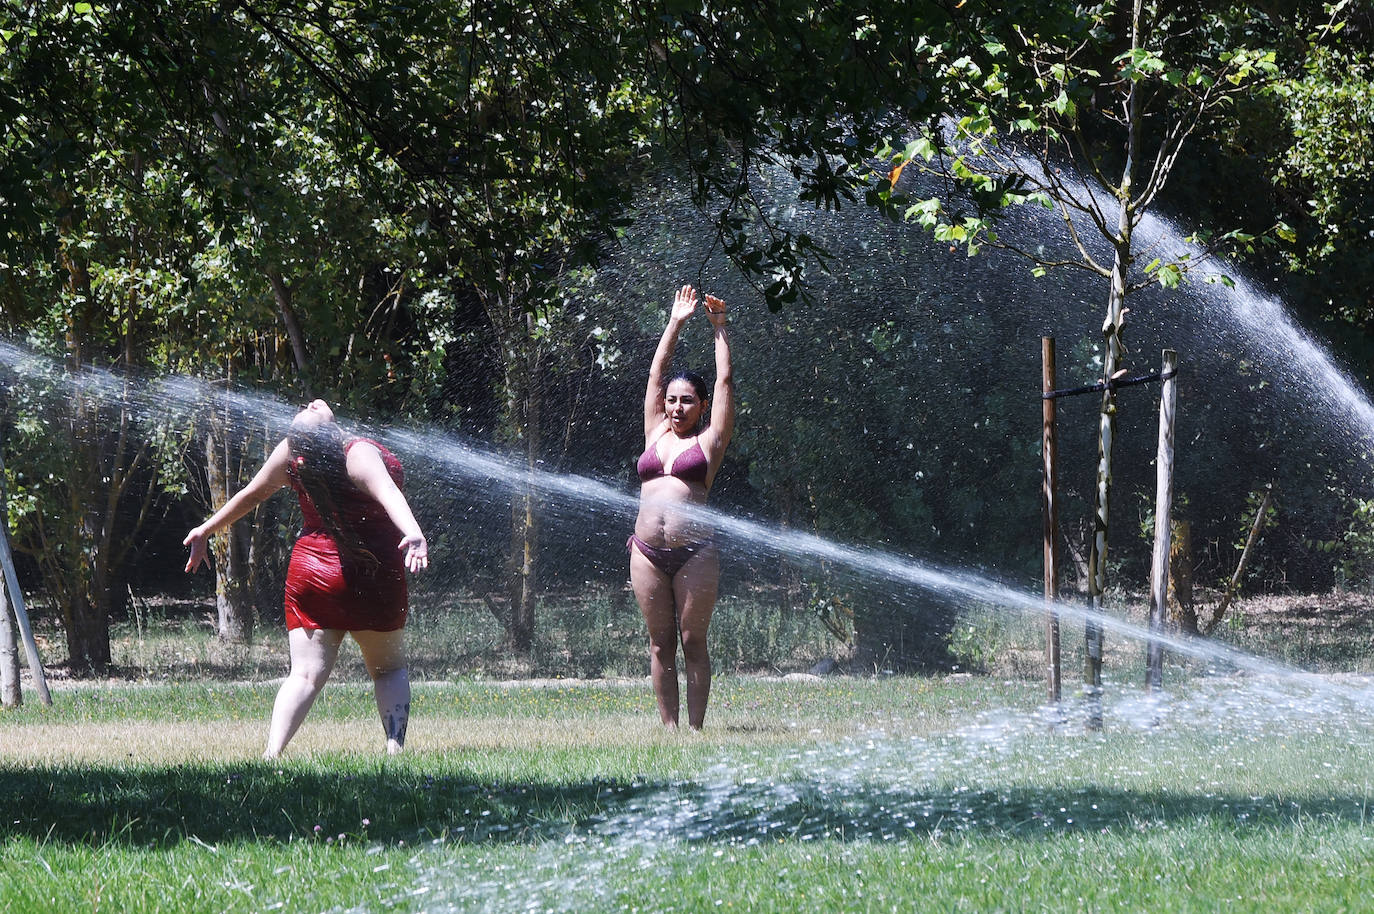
(1109, 384)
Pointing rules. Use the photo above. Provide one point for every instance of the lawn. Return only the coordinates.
(1237, 793)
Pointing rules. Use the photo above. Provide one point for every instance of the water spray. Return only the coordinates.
(181, 394)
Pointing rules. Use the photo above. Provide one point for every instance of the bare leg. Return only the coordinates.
(695, 588)
(313, 652)
(385, 656)
(654, 591)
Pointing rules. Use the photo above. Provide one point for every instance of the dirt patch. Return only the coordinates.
(1326, 632)
(1336, 606)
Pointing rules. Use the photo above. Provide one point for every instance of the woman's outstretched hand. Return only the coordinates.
(684, 303)
(196, 539)
(417, 552)
(715, 310)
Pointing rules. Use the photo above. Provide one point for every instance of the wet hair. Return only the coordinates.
(697, 381)
(698, 384)
(319, 462)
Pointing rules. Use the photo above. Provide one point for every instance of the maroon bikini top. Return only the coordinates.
(689, 466)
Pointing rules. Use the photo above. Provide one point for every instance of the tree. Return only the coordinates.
(1321, 163)
(96, 281)
(518, 127)
(194, 192)
(1117, 96)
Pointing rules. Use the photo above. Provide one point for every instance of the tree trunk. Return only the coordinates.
(1106, 437)
(86, 616)
(86, 626)
(1112, 329)
(524, 556)
(1049, 450)
(523, 577)
(234, 603)
(88, 635)
(1164, 505)
(1238, 577)
(281, 293)
(85, 532)
(1181, 577)
(10, 695)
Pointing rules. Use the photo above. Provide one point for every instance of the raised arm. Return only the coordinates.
(369, 473)
(270, 478)
(684, 303)
(723, 398)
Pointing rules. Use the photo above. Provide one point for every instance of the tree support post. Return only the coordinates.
(16, 598)
(1097, 557)
(1164, 501)
(10, 695)
(1049, 451)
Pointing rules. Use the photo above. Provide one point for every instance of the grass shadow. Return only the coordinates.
(388, 803)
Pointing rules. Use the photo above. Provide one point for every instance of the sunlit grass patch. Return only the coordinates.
(173, 723)
(954, 793)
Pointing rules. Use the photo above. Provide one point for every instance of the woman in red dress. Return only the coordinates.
(347, 572)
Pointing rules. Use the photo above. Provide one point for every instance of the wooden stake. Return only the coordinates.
(16, 596)
(1049, 450)
(10, 695)
(1164, 501)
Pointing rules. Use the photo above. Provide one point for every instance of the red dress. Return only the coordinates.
(321, 592)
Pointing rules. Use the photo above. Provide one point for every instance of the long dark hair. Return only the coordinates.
(319, 463)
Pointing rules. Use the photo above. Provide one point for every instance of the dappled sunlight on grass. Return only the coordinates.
(135, 743)
(566, 795)
(171, 724)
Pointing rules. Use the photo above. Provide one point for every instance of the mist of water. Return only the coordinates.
(1003, 773)
(1007, 770)
(458, 462)
(1289, 357)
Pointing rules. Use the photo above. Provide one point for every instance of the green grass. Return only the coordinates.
(595, 634)
(948, 794)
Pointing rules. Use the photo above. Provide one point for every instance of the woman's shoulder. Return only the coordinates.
(390, 460)
(371, 442)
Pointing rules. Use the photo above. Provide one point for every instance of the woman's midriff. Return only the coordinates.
(659, 524)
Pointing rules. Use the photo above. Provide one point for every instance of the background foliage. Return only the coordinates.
(469, 217)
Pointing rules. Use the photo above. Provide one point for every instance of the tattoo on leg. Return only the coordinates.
(396, 722)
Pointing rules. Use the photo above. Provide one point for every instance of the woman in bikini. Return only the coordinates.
(347, 571)
(674, 566)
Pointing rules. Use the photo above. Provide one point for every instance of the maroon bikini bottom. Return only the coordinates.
(667, 559)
